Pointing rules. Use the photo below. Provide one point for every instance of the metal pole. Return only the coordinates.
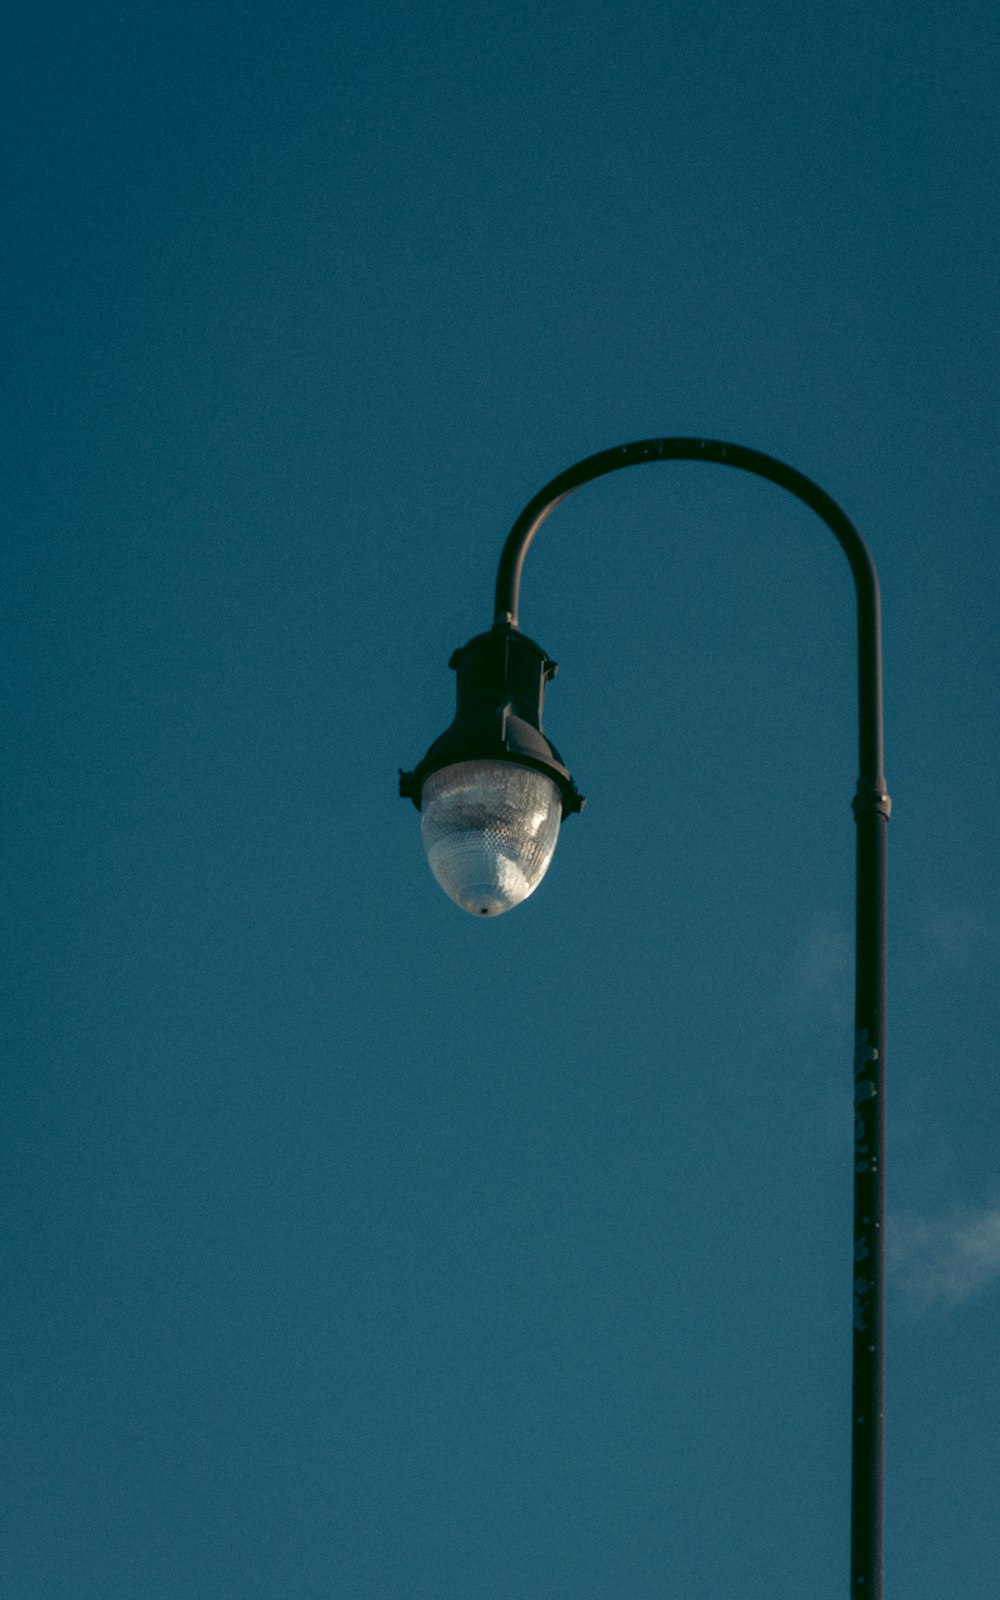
(871, 810)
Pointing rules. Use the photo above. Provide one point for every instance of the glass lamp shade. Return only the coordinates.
(489, 830)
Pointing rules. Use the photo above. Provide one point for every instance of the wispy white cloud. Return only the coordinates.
(960, 935)
(943, 1262)
(821, 977)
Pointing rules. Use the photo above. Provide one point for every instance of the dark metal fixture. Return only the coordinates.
(492, 791)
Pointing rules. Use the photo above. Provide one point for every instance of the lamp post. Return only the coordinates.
(492, 791)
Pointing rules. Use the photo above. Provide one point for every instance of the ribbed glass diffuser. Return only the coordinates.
(489, 830)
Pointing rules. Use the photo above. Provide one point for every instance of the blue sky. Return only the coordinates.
(356, 1249)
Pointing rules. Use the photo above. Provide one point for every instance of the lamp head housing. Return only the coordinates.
(501, 678)
(492, 790)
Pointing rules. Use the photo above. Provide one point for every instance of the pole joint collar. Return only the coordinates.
(871, 797)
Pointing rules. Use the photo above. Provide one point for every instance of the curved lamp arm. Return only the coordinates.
(508, 582)
(871, 809)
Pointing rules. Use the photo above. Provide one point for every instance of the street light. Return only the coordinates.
(492, 791)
